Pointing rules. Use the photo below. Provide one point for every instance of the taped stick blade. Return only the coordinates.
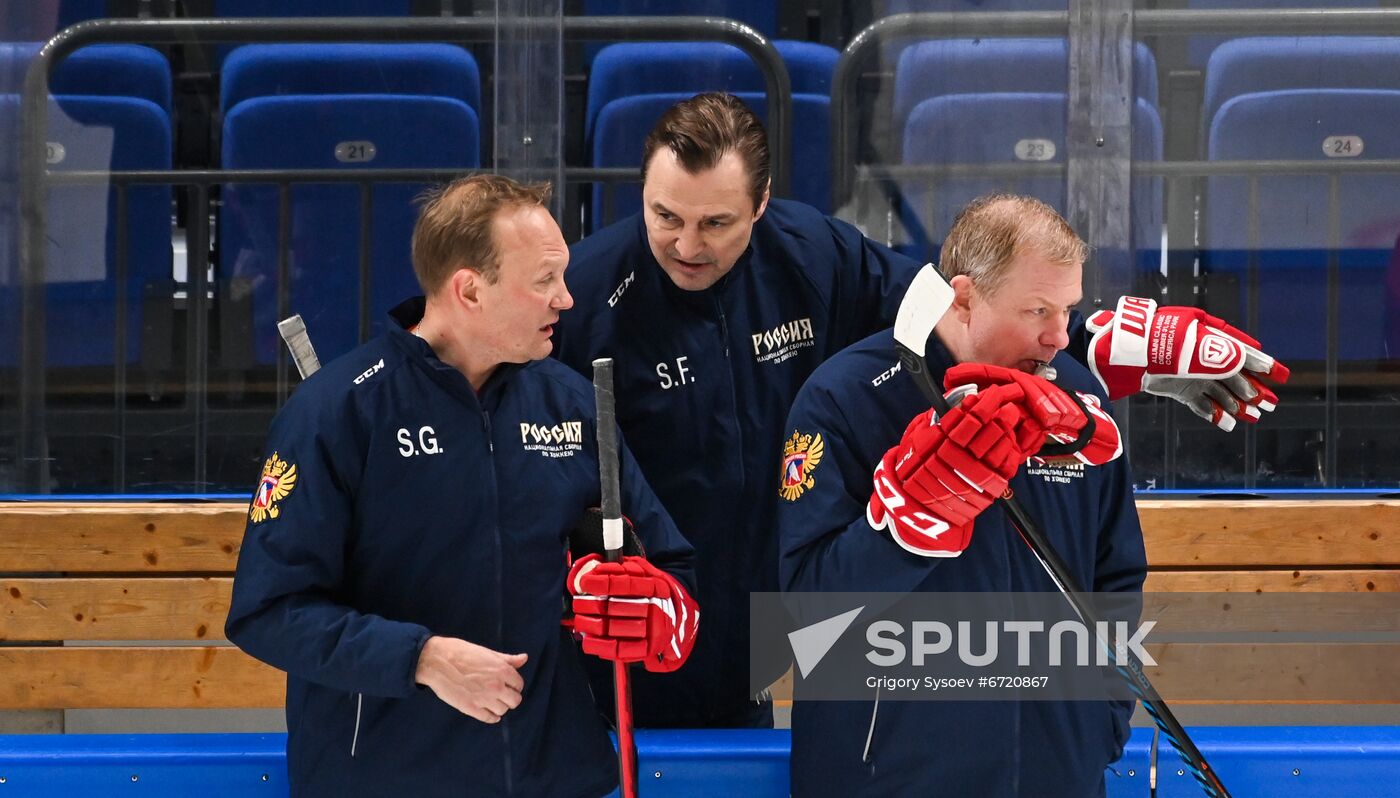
(927, 299)
(293, 331)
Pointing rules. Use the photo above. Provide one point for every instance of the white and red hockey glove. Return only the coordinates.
(1185, 354)
(1074, 419)
(930, 487)
(632, 611)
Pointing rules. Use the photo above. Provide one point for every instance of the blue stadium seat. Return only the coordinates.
(912, 6)
(1277, 63)
(762, 15)
(623, 125)
(625, 70)
(985, 66)
(312, 8)
(346, 132)
(303, 8)
(413, 84)
(633, 84)
(1012, 128)
(1294, 217)
(91, 133)
(1199, 48)
(112, 112)
(894, 48)
(264, 70)
(106, 70)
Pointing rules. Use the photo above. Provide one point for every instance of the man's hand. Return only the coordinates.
(1056, 410)
(1185, 354)
(475, 681)
(632, 611)
(931, 486)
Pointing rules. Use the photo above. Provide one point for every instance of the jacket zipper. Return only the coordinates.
(733, 393)
(355, 738)
(870, 735)
(723, 326)
(500, 595)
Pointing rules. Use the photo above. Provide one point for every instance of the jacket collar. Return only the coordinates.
(405, 316)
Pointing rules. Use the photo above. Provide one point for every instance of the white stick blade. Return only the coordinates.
(927, 299)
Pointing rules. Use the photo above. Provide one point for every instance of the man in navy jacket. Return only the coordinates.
(717, 302)
(405, 556)
(898, 502)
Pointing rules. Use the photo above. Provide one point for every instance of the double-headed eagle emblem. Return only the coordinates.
(801, 456)
(278, 479)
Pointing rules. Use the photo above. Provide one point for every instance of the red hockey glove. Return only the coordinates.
(931, 486)
(1185, 354)
(633, 611)
(1051, 407)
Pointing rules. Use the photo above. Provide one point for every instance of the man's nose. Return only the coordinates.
(689, 244)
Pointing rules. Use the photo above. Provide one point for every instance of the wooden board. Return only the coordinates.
(201, 677)
(120, 537)
(135, 608)
(1274, 534)
(1275, 581)
(1237, 534)
(1194, 673)
(1351, 673)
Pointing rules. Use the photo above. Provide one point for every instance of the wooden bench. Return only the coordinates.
(125, 575)
(85, 588)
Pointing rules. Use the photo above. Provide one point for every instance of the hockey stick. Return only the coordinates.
(928, 298)
(293, 331)
(612, 546)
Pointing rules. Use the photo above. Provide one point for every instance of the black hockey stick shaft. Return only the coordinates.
(1064, 579)
(611, 503)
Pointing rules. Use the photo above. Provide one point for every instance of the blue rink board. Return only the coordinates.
(1254, 762)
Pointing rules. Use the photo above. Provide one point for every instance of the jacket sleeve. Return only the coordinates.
(872, 282)
(825, 543)
(290, 606)
(1121, 567)
(1078, 339)
(665, 546)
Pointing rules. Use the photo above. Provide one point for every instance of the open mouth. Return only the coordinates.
(691, 265)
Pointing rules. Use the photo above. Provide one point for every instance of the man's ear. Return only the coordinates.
(763, 205)
(465, 285)
(962, 296)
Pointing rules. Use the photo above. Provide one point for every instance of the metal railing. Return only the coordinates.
(847, 171)
(845, 118)
(34, 177)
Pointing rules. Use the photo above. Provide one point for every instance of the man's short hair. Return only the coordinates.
(454, 228)
(994, 230)
(702, 129)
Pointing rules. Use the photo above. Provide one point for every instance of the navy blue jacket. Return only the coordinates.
(417, 508)
(704, 382)
(860, 402)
